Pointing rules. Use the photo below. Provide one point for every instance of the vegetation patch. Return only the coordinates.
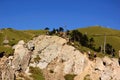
(69, 76)
(6, 51)
(87, 77)
(98, 33)
(37, 59)
(36, 73)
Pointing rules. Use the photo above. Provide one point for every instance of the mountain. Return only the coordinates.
(98, 33)
(51, 58)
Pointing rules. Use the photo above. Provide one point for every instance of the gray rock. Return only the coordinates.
(25, 61)
(30, 46)
(21, 56)
(6, 71)
(5, 41)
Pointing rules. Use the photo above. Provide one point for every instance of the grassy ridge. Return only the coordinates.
(14, 36)
(97, 32)
(94, 30)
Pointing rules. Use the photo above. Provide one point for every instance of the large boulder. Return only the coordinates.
(21, 56)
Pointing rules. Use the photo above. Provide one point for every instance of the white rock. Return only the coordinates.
(99, 64)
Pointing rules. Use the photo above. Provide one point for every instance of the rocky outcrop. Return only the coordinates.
(10, 67)
(6, 71)
(68, 60)
(56, 58)
(49, 48)
(21, 56)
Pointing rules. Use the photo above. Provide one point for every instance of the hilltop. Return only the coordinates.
(98, 33)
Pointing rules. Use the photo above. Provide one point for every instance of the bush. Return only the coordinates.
(69, 76)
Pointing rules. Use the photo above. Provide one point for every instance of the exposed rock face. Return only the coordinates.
(21, 56)
(111, 69)
(6, 71)
(72, 61)
(49, 48)
(56, 58)
(9, 67)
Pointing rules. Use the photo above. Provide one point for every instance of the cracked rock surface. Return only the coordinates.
(56, 58)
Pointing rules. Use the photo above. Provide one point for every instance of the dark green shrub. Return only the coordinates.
(69, 76)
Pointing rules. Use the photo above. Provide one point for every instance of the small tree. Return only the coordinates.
(61, 29)
(47, 29)
(109, 49)
(84, 40)
(53, 31)
(76, 35)
(91, 43)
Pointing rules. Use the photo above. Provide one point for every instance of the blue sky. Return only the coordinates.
(38, 14)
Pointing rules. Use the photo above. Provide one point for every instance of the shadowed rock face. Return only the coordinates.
(56, 59)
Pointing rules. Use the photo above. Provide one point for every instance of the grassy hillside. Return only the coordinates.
(14, 36)
(97, 32)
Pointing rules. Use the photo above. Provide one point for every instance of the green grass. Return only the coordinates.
(6, 50)
(35, 33)
(36, 73)
(97, 32)
(14, 36)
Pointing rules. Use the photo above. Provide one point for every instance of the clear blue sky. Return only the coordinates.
(38, 14)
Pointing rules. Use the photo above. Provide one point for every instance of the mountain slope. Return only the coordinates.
(98, 33)
(13, 36)
(17, 35)
(51, 58)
